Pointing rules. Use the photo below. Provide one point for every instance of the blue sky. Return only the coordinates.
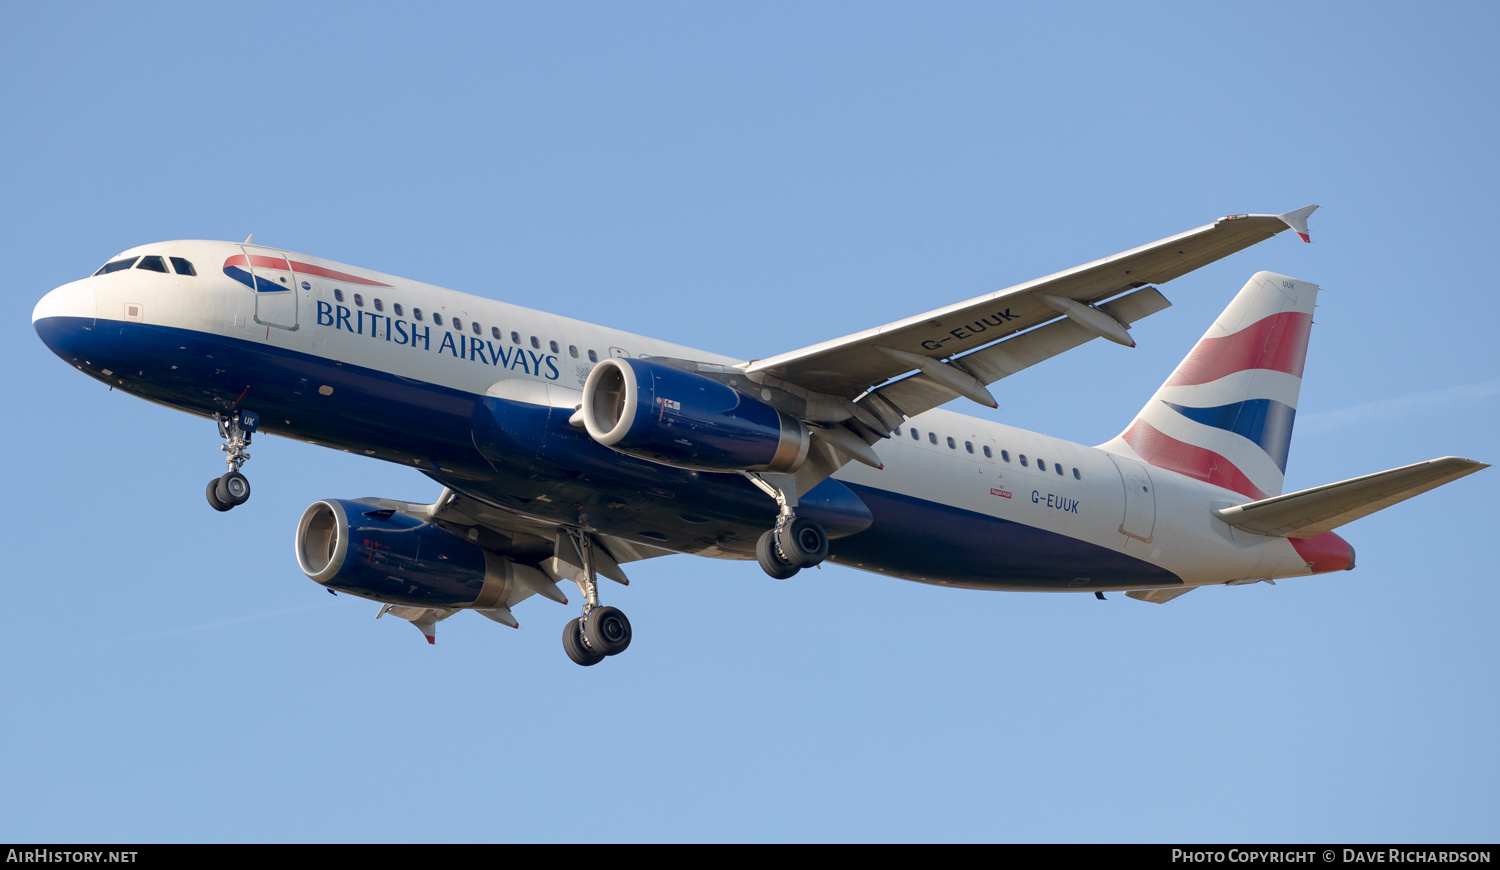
(753, 178)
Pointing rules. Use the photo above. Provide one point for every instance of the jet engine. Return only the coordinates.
(395, 558)
(681, 418)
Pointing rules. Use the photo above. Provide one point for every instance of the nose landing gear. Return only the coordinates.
(233, 488)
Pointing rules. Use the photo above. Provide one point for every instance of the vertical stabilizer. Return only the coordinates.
(1225, 415)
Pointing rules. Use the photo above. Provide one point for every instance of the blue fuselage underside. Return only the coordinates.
(527, 458)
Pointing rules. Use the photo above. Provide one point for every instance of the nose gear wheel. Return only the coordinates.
(233, 488)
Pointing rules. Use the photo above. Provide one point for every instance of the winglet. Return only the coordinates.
(1297, 220)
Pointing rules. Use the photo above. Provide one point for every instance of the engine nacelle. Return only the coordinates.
(394, 558)
(681, 418)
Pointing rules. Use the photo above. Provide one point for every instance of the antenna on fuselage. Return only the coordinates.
(250, 239)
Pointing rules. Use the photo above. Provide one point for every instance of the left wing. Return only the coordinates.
(542, 556)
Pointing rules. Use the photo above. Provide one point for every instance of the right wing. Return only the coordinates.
(847, 367)
(855, 390)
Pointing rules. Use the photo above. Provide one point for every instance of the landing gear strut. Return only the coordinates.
(233, 488)
(795, 542)
(601, 631)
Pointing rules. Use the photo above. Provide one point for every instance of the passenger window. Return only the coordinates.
(495, 333)
(416, 313)
(359, 301)
(915, 435)
(378, 306)
(515, 337)
(457, 324)
(952, 445)
(1076, 475)
(554, 347)
(397, 309)
(116, 266)
(573, 351)
(1023, 460)
(969, 446)
(1041, 465)
(1005, 455)
(932, 436)
(536, 342)
(182, 266)
(338, 294)
(437, 318)
(593, 357)
(476, 328)
(987, 453)
(1057, 467)
(152, 263)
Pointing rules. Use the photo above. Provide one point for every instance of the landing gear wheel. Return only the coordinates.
(607, 630)
(573, 645)
(213, 496)
(233, 489)
(805, 543)
(770, 560)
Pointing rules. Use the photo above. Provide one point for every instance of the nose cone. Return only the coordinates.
(69, 300)
(63, 318)
(1324, 553)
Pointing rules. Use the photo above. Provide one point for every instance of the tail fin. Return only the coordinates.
(1225, 415)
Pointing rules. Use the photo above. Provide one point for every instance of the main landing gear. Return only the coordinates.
(233, 488)
(601, 631)
(795, 542)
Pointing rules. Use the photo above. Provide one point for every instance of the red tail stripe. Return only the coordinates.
(1278, 343)
(1164, 451)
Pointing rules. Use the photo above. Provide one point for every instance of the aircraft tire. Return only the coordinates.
(805, 543)
(213, 496)
(233, 489)
(573, 645)
(770, 561)
(607, 630)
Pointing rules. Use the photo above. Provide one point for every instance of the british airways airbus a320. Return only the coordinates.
(566, 450)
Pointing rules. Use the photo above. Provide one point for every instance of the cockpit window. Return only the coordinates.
(152, 263)
(182, 266)
(116, 266)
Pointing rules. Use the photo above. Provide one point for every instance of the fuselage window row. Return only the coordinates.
(454, 322)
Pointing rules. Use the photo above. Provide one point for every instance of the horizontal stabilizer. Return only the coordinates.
(1159, 596)
(1312, 512)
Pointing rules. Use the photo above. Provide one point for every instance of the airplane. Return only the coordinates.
(566, 450)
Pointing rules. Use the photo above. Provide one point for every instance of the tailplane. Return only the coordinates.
(1225, 415)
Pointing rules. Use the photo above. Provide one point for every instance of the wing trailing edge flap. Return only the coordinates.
(922, 392)
(1311, 512)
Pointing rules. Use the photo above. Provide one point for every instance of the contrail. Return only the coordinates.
(1396, 406)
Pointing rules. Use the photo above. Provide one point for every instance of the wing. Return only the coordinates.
(542, 555)
(959, 349)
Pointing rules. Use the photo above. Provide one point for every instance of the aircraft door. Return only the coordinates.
(275, 287)
(1139, 521)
